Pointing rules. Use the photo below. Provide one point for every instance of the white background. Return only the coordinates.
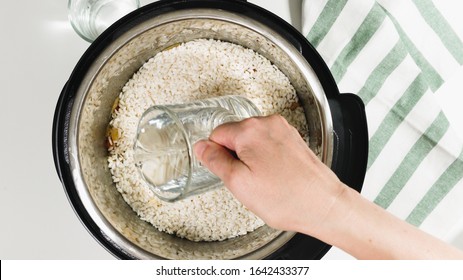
(38, 51)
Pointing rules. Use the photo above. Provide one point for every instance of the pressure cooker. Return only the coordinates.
(337, 123)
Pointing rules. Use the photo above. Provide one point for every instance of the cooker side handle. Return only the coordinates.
(350, 134)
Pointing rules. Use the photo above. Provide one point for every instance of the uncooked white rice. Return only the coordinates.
(195, 70)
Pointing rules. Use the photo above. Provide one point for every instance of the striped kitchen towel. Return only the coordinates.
(396, 54)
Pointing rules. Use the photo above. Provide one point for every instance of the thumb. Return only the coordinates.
(218, 160)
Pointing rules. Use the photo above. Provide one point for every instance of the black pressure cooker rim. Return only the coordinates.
(300, 246)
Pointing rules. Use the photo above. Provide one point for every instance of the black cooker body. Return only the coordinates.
(350, 147)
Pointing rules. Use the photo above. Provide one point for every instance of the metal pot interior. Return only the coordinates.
(90, 116)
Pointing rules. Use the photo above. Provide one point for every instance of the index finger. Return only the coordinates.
(226, 134)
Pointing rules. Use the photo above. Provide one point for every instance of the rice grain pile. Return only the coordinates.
(190, 71)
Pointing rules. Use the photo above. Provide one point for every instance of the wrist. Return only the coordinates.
(340, 225)
(335, 209)
(339, 217)
(340, 221)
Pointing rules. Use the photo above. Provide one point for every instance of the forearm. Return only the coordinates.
(366, 231)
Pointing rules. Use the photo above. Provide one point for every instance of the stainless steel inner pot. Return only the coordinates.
(102, 83)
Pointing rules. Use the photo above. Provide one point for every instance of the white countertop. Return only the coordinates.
(38, 52)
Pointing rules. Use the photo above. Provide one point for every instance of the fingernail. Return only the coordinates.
(199, 148)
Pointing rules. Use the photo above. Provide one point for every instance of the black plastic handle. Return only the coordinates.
(350, 131)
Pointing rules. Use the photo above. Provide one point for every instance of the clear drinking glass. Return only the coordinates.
(90, 18)
(163, 150)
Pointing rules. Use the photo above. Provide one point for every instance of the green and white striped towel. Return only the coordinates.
(395, 54)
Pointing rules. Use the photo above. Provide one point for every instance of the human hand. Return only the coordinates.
(275, 174)
(281, 180)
